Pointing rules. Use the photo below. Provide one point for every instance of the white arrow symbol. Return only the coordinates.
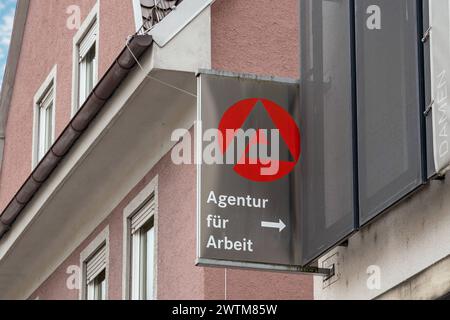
(275, 225)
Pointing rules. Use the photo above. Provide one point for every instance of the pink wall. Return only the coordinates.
(47, 41)
(256, 37)
(177, 276)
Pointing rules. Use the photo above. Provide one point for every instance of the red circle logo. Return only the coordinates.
(234, 119)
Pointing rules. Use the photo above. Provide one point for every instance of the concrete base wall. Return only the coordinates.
(403, 242)
(430, 284)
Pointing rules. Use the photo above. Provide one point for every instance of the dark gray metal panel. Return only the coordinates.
(389, 110)
(270, 246)
(325, 177)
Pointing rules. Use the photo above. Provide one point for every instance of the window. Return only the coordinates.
(139, 278)
(45, 123)
(97, 288)
(88, 73)
(142, 257)
(85, 59)
(44, 102)
(363, 111)
(94, 262)
(96, 275)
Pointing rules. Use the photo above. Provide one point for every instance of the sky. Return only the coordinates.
(7, 8)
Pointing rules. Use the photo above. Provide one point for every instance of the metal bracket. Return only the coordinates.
(332, 273)
(426, 35)
(332, 262)
(327, 273)
(344, 244)
(308, 270)
(428, 109)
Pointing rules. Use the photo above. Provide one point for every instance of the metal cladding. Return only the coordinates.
(85, 115)
(80, 122)
(3, 228)
(11, 212)
(28, 190)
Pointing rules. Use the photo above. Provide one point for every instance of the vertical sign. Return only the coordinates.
(247, 151)
(440, 68)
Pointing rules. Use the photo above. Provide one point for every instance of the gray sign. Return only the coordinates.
(243, 222)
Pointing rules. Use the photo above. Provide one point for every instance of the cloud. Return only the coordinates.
(7, 10)
(6, 24)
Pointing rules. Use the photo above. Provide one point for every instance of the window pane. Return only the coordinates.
(96, 289)
(44, 125)
(135, 266)
(90, 291)
(103, 290)
(146, 279)
(150, 263)
(90, 62)
(388, 103)
(143, 265)
(326, 168)
(48, 127)
(100, 286)
(87, 75)
(142, 260)
(41, 133)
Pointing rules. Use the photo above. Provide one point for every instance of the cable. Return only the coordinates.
(156, 79)
(225, 289)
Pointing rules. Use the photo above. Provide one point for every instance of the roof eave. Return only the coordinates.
(102, 92)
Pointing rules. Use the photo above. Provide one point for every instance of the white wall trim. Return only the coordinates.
(190, 49)
(50, 81)
(134, 205)
(137, 10)
(93, 17)
(101, 239)
(177, 20)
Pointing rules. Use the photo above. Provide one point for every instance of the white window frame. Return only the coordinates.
(48, 87)
(91, 291)
(91, 21)
(149, 192)
(137, 264)
(102, 240)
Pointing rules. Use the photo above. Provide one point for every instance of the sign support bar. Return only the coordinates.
(325, 272)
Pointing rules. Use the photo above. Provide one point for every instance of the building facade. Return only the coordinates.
(92, 205)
